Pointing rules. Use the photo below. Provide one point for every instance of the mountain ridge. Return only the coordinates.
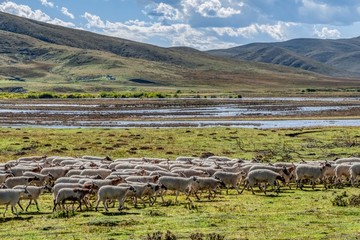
(53, 58)
(329, 57)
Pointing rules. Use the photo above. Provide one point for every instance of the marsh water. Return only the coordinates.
(246, 112)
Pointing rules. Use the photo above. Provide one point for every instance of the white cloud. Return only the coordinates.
(211, 8)
(93, 21)
(326, 33)
(27, 12)
(179, 34)
(276, 31)
(66, 12)
(47, 3)
(247, 32)
(163, 11)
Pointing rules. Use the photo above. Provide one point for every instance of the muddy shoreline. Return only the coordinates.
(175, 112)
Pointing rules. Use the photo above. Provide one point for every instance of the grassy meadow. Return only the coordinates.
(293, 214)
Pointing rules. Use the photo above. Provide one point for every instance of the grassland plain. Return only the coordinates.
(293, 214)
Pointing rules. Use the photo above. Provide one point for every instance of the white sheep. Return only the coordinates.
(14, 181)
(348, 160)
(140, 191)
(68, 180)
(190, 173)
(34, 193)
(313, 172)
(113, 193)
(20, 169)
(262, 176)
(287, 173)
(230, 179)
(143, 179)
(56, 172)
(12, 197)
(208, 184)
(43, 179)
(31, 159)
(73, 172)
(164, 173)
(354, 173)
(178, 184)
(56, 188)
(342, 170)
(72, 194)
(150, 167)
(4, 176)
(209, 170)
(93, 172)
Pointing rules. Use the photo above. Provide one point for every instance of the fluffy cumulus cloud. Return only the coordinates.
(325, 33)
(163, 11)
(66, 12)
(47, 3)
(212, 8)
(178, 34)
(27, 12)
(207, 24)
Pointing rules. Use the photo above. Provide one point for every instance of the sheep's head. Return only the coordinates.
(222, 184)
(162, 186)
(156, 178)
(131, 188)
(47, 188)
(281, 178)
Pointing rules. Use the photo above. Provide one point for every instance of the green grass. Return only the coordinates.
(293, 214)
(267, 145)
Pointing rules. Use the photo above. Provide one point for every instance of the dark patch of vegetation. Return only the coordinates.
(64, 214)
(343, 200)
(159, 236)
(142, 81)
(210, 236)
(104, 223)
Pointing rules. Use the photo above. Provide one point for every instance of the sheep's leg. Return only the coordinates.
(236, 186)
(97, 204)
(20, 205)
(143, 201)
(6, 208)
(197, 197)
(252, 189)
(16, 211)
(121, 203)
(265, 188)
(29, 205)
(79, 200)
(177, 194)
(105, 205)
(325, 184)
(54, 206)
(313, 184)
(162, 196)
(299, 183)
(37, 206)
(246, 184)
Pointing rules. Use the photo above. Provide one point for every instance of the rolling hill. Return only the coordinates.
(330, 57)
(36, 56)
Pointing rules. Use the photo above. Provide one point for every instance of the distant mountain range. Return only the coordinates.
(36, 56)
(330, 57)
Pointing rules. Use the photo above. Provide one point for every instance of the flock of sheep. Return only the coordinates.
(78, 179)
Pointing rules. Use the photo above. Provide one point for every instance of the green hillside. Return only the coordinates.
(38, 57)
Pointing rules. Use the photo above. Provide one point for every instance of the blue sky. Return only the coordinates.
(201, 24)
